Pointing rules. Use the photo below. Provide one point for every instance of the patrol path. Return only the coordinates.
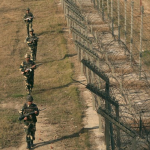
(42, 135)
(60, 126)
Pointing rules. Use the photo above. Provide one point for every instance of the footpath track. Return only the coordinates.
(60, 126)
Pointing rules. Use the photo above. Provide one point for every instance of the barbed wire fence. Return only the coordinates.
(111, 39)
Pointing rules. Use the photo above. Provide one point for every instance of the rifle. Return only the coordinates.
(30, 68)
(28, 114)
(28, 19)
(32, 41)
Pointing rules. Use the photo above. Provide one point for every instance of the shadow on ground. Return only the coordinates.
(66, 56)
(77, 134)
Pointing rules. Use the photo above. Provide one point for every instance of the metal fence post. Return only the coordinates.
(118, 130)
(103, 10)
(79, 54)
(65, 9)
(119, 20)
(91, 27)
(108, 8)
(99, 99)
(94, 3)
(95, 35)
(62, 3)
(87, 69)
(100, 5)
(107, 124)
(67, 13)
(141, 42)
(112, 19)
(125, 23)
(82, 63)
(131, 36)
(93, 98)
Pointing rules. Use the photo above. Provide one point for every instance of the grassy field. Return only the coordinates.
(54, 87)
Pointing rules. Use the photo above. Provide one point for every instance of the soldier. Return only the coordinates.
(27, 69)
(30, 121)
(32, 42)
(28, 18)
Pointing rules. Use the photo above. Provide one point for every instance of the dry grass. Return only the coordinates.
(54, 87)
(9, 128)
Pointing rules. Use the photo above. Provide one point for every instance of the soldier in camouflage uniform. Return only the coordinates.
(27, 69)
(30, 121)
(32, 42)
(28, 18)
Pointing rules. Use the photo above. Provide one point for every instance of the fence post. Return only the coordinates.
(82, 63)
(62, 3)
(99, 116)
(93, 97)
(99, 99)
(94, 3)
(110, 131)
(103, 10)
(79, 54)
(131, 36)
(69, 22)
(91, 27)
(87, 69)
(141, 44)
(112, 19)
(118, 130)
(67, 13)
(65, 10)
(119, 20)
(108, 9)
(125, 23)
(107, 124)
(95, 36)
(100, 5)
(140, 124)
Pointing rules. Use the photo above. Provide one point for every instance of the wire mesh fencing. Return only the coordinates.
(111, 39)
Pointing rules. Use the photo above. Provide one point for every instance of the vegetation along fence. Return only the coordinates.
(111, 39)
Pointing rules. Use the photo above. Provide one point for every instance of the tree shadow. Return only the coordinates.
(68, 55)
(45, 32)
(53, 88)
(77, 134)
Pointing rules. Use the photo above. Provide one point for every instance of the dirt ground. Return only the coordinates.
(51, 53)
(60, 126)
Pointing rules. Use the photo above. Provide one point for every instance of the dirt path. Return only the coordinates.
(13, 49)
(45, 135)
(91, 119)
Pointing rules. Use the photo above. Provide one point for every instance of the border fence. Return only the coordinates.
(111, 40)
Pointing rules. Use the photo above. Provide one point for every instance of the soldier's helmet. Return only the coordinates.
(27, 56)
(28, 9)
(31, 30)
(29, 98)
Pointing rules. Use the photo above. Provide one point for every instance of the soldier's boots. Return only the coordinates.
(28, 145)
(33, 57)
(28, 89)
(32, 143)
